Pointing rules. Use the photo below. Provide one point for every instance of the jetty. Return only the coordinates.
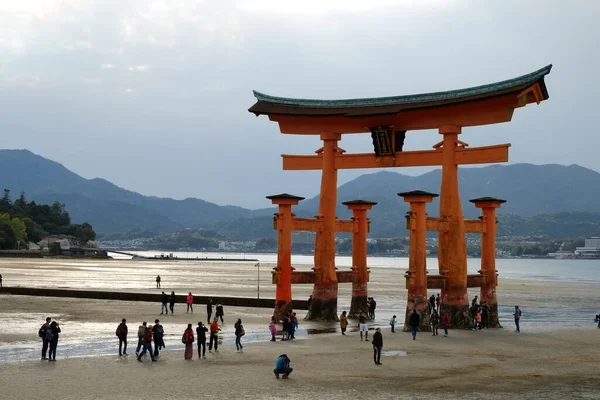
(145, 297)
(135, 256)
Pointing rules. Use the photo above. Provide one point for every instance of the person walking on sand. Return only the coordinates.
(201, 339)
(219, 311)
(0, 280)
(363, 327)
(209, 310)
(214, 336)
(189, 300)
(52, 334)
(393, 323)
(377, 346)
(164, 300)
(188, 340)
(239, 332)
(273, 329)
(158, 281)
(292, 325)
(158, 334)
(373, 307)
(438, 301)
(431, 303)
(434, 320)
(121, 333)
(147, 343)
(282, 366)
(414, 321)
(446, 323)
(42, 334)
(343, 322)
(141, 331)
(517, 315)
(172, 300)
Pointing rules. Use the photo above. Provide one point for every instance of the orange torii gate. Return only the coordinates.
(388, 119)
(284, 275)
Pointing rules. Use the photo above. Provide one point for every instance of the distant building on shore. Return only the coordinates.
(590, 250)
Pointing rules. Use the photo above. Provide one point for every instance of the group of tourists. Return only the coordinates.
(480, 314)
(171, 299)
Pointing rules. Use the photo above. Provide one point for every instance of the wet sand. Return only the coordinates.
(494, 365)
(545, 361)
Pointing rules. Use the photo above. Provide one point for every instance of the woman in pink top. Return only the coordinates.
(190, 301)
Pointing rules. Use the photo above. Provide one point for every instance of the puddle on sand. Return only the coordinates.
(393, 353)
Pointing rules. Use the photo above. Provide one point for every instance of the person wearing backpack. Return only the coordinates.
(42, 335)
(158, 333)
(201, 339)
(147, 341)
(52, 337)
(121, 333)
(239, 332)
(141, 331)
(188, 340)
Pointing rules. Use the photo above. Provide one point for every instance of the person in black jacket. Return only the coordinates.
(377, 345)
(201, 337)
(52, 334)
(164, 299)
(121, 332)
(414, 321)
(172, 299)
(209, 310)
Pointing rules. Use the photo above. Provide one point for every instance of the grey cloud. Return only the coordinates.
(183, 129)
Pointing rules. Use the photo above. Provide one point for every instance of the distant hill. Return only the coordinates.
(106, 206)
(529, 190)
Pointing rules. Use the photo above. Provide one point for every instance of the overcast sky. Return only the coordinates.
(153, 95)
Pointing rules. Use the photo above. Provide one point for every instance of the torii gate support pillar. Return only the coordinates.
(416, 281)
(284, 221)
(358, 304)
(488, 207)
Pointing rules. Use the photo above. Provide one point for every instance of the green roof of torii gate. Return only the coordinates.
(271, 104)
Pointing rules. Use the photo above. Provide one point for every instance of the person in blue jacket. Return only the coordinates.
(282, 366)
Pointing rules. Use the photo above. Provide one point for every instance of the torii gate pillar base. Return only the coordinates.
(323, 306)
(358, 305)
(281, 307)
(456, 305)
(493, 321)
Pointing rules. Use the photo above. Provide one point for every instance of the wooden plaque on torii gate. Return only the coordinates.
(389, 120)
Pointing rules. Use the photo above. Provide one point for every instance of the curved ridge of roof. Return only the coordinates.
(532, 77)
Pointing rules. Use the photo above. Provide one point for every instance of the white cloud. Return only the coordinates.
(108, 66)
(128, 90)
(142, 67)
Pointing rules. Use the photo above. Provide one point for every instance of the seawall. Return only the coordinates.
(146, 297)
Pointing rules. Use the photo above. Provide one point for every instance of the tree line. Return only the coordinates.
(22, 222)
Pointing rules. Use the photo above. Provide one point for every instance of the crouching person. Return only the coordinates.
(282, 366)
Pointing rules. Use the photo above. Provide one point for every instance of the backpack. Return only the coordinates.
(183, 339)
(42, 331)
(118, 331)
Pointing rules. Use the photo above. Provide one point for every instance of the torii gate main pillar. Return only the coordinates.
(452, 246)
(324, 298)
